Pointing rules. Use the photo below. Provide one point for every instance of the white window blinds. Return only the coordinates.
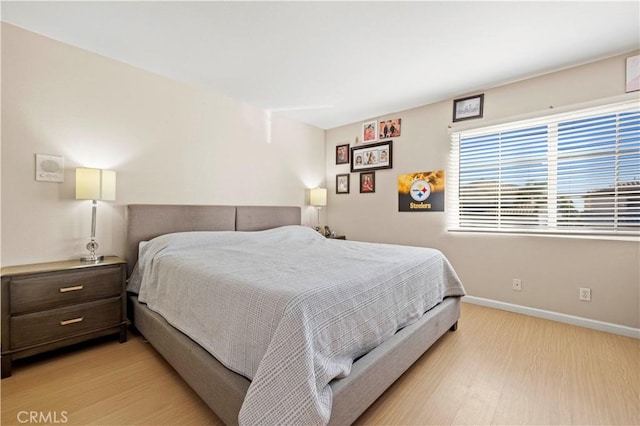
(567, 173)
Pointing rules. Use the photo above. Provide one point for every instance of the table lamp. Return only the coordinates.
(318, 198)
(94, 184)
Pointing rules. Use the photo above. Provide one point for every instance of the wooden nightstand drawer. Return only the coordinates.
(38, 327)
(33, 293)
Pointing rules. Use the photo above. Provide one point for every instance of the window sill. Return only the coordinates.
(607, 237)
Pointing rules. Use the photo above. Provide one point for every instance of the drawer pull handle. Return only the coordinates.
(72, 321)
(74, 288)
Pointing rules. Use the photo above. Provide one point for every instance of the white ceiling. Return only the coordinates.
(334, 63)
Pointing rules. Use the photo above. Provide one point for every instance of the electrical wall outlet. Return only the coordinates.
(585, 294)
(516, 284)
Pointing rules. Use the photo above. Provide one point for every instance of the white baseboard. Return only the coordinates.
(555, 316)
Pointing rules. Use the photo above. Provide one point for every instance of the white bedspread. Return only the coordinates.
(288, 308)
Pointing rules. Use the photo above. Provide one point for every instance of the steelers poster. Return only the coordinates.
(421, 192)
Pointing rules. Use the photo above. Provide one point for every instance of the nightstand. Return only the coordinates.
(338, 237)
(47, 306)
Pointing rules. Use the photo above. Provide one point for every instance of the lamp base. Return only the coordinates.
(92, 258)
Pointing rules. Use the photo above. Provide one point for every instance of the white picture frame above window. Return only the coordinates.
(468, 108)
(49, 168)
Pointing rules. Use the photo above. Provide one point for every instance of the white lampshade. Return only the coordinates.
(95, 184)
(318, 197)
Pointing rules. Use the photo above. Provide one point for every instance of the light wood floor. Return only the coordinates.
(498, 368)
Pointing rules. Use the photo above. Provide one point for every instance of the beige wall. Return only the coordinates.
(172, 143)
(167, 141)
(551, 268)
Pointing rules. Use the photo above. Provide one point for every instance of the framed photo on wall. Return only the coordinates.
(389, 128)
(367, 182)
(342, 183)
(372, 157)
(369, 131)
(468, 108)
(342, 154)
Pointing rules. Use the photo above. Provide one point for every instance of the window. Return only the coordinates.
(567, 173)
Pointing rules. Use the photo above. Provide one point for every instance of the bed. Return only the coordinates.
(335, 382)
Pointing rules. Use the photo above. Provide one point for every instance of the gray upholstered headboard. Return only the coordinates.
(146, 221)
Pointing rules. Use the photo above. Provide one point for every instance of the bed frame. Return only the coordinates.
(224, 390)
